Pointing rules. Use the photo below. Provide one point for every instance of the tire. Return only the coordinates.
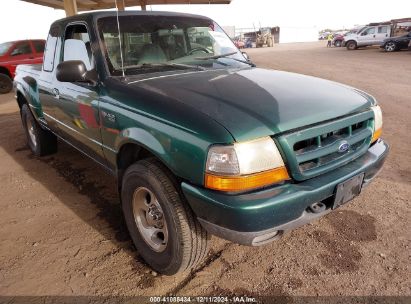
(40, 141)
(351, 45)
(390, 46)
(337, 43)
(270, 42)
(162, 226)
(6, 84)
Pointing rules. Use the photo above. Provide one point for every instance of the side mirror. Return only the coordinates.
(75, 71)
(245, 55)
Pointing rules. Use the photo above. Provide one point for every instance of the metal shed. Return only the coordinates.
(73, 6)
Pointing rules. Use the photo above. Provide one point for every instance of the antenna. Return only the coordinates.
(119, 40)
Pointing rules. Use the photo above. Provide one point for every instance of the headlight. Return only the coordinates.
(377, 123)
(244, 166)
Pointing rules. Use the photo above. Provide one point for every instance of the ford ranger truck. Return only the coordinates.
(200, 141)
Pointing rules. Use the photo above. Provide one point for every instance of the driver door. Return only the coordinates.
(367, 37)
(78, 103)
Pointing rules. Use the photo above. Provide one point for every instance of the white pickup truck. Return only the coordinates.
(369, 35)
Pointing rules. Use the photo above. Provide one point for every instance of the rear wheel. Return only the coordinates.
(163, 228)
(40, 141)
(351, 45)
(6, 84)
(390, 46)
(337, 43)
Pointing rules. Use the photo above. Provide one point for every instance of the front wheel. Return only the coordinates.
(40, 141)
(390, 47)
(337, 43)
(6, 84)
(163, 228)
(351, 45)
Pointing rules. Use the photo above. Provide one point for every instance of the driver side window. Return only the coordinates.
(77, 45)
(370, 31)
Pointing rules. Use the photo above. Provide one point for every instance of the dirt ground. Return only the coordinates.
(62, 231)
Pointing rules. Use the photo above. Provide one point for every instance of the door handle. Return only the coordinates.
(56, 93)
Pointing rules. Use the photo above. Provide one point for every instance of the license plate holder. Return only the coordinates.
(347, 190)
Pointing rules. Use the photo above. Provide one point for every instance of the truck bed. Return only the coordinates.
(33, 70)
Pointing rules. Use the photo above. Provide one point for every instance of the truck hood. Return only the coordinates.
(254, 102)
(350, 36)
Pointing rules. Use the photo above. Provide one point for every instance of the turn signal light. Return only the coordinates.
(246, 182)
(377, 123)
(377, 134)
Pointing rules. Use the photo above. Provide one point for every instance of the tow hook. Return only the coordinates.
(317, 207)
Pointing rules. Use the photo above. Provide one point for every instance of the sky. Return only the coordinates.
(299, 20)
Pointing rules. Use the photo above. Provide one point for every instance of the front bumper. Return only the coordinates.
(259, 217)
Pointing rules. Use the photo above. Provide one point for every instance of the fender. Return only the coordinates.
(180, 162)
(29, 90)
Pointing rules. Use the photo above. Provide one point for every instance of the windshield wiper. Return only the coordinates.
(215, 56)
(163, 64)
(224, 56)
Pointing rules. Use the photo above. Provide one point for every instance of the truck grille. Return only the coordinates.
(318, 149)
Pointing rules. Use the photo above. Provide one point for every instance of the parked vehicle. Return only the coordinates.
(396, 43)
(323, 35)
(239, 43)
(369, 35)
(14, 53)
(200, 140)
(338, 40)
(339, 37)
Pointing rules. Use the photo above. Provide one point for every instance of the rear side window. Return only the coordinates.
(48, 60)
(39, 46)
(382, 29)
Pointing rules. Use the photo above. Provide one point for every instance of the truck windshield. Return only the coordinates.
(4, 47)
(161, 43)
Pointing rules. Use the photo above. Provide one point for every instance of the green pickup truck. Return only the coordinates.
(200, 141)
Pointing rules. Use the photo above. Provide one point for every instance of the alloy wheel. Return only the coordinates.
(390, 47)
(150, 220)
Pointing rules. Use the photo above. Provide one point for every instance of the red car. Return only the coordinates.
(14, 53)
(239, 43)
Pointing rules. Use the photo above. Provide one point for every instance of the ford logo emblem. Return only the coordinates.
(343, 147)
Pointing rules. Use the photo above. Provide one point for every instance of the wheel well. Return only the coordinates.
(128, 155)
(20, 99)
(3, 70)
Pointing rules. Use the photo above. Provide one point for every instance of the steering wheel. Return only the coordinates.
(202, 49)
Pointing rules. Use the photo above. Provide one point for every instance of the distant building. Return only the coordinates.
(250, 33)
